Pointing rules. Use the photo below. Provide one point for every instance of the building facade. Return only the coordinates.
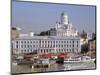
(92, 45)
(46, 44)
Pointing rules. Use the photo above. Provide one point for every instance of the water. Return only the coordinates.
(54, 67)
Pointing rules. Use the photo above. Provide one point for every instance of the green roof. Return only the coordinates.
(64, 13)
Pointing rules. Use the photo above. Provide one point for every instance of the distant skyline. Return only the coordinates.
(37, 17)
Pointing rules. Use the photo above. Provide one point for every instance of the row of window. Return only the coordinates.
(45, 41)
(49, 50)
(26, 46)
(49, 46)
(59, 46)
(59, 50)
(27, 42)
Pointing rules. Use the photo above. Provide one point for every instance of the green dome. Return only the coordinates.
(64, 13)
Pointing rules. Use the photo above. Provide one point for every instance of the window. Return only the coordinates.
(77, 45)
(24, 41)
(47, 50)
(17, 42)
(70, 50)
(31, 50)
(50, 45)
(31, 41)
(41, 51)
(16, 46)
(21, 41)
(59, 50)
(44, 50)
(27, 41)
(28, 46)
(37, 45)
(62, 45)
(34, 41)
(73, 45)
(28, 50)
(67, 45)
(25, 46)
(21, 46)
(59, 45)
(25, 51)
(73, 50)
(33, 45)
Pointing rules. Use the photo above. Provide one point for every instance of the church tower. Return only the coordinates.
(64, 18)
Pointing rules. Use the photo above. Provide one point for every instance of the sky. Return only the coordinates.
(37, 17)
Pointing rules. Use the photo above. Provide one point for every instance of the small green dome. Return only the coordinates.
(64, 13)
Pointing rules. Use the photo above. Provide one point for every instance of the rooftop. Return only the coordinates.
(47, 37)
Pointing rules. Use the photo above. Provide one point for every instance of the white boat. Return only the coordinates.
(73, 59)
(87, 59)
(79, 59)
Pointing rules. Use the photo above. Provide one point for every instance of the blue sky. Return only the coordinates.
(37, 17)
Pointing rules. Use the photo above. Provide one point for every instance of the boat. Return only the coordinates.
(87, 59)
(73, 59)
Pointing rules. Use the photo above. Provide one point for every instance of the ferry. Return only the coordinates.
(79, 59)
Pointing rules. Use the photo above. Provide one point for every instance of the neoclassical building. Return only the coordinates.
(64, 27)
(63, 39)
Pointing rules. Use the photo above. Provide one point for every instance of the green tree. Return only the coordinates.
(84, 48)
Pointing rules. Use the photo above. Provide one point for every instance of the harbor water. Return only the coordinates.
(54, 67)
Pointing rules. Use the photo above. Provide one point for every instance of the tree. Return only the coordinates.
(84, 48)
(45, 33)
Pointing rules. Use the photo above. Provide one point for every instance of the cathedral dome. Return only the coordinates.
(64, 18)
(64, 13)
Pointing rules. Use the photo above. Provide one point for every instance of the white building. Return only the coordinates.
(64, 40)
(46, 44)
(64, 27)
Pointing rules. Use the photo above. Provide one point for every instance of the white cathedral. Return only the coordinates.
(64, 27)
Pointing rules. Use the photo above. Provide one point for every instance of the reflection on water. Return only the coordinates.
(54, 67)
